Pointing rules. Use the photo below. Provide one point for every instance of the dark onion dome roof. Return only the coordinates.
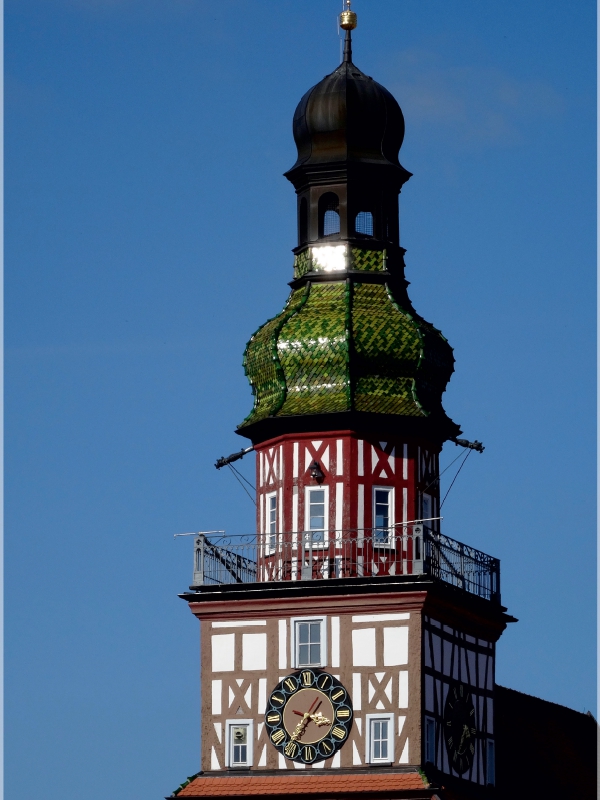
(348, 117)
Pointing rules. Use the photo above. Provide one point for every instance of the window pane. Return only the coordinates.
(331, 223)
(308, 643)
(427, 507)
(303, 660)
(303, 632)
(316, 512)
(239, 740)
(364, 223)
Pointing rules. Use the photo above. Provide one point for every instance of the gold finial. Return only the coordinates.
(348, 19)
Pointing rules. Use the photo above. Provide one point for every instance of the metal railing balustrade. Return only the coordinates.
(372, 552)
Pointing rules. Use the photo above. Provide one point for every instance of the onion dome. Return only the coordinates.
(348, 117)
(347, 355)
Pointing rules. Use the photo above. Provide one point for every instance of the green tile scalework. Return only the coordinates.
(261, 362)
(367, 260)
(347, 345)
(313, 351)
(302, 263)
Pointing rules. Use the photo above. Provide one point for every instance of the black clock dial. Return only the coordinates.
(309, 716)
(460, 727)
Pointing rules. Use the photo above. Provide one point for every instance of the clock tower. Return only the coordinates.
(349, 645)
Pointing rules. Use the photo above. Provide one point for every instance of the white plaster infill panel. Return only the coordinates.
(403, 688)
(335, 641)
(356, 691)
(282, 644)
(240, 623)
(254, 651)
(217, 689)
(363, 647)
(223, 652)
(395, 646)
(379, 617)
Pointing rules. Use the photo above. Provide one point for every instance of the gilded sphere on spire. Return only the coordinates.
(348, 20)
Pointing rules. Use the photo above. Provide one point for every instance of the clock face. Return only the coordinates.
(460, 729)
(309, 716)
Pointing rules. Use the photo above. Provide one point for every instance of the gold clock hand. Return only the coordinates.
(319, 719)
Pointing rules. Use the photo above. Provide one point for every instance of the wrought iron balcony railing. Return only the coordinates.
(404, 550)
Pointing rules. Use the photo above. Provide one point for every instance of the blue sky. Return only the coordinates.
(149, 231)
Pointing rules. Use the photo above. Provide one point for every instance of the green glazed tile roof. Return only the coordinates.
(346, 346)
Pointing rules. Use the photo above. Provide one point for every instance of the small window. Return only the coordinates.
(427, 510)
(239, 743)
(272, 521)
(316, 515)
(364, 223)
(309, 642)
(490, 763)
(429, 740)
(329, 214)
(380, 738)
(382, 515)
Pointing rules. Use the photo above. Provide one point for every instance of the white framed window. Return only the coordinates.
(271, 521)
(490, 760)
(238, 742)
(380, 738)
(430, 740)
(316, 514)
(309, 641)
(383, 515)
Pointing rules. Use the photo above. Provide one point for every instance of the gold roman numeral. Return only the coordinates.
(307, 678)
(338, 694)
(338, 732)
(273, 719)
(325, 680)
(278, 736)
(291, 749)
(278, 699)
(327, 747)
(343, 713)
(308, 753)
(290, 684)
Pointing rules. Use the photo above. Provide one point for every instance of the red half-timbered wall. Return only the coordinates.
(353, 467)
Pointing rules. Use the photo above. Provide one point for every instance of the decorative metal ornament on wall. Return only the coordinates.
(309, 716)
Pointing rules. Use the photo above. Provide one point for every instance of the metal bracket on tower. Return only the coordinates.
(470, 445)
(223, 462)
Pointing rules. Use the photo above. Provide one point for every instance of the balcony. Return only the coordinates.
(404, 550)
